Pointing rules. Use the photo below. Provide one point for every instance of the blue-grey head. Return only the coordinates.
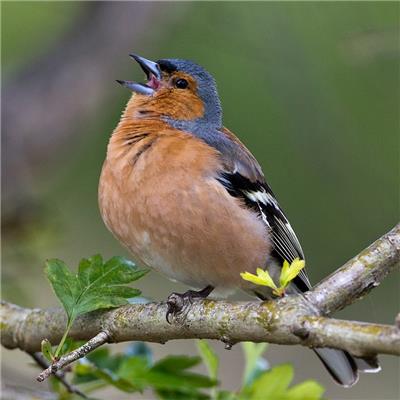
(180, 91)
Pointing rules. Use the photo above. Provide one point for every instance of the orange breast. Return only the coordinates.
(159, 197)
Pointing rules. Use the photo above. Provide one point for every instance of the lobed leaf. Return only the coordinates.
(64, 283)
(96, 285)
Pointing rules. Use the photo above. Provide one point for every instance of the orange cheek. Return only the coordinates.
(181, 104)
(177, 104)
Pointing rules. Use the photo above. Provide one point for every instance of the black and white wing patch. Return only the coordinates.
(259, 197)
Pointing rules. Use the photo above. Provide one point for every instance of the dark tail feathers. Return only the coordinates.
(343, 367)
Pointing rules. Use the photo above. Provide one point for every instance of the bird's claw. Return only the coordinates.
(175, 304)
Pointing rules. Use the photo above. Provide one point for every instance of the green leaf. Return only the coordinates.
(181, 395)
(64, 283)
(134, 373)
(47, 350)
(177, 381)
(271, 385)
(176, 363)
(96, 285)
(101, 359)
(170, 378)
(209, 357)
(70, 345)
(307, 390)
(101, 284)
(253, 367)
(225, 395)
(86, 368)
(133, 368)
(170, 374)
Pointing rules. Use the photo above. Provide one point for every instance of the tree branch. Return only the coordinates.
(359, 275)
(100, 339)
(230, 322)
(43, 363)
(305, 319)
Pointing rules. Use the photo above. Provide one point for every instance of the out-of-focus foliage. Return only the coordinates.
(135, 371)
(29, 29)
(209, 357)
(170, 378)
(255, 364)
(274, 385)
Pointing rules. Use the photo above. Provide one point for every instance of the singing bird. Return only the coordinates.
(189, 200)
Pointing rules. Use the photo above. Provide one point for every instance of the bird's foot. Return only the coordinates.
(177, 302)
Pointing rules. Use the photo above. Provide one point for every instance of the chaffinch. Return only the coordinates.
(188, 199)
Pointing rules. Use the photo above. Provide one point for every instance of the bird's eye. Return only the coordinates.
(181, 83)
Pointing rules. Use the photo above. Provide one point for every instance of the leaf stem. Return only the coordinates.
(61, 344)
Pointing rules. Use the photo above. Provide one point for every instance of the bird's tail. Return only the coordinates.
(343, 367)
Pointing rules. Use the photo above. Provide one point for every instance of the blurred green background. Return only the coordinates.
(311, 88)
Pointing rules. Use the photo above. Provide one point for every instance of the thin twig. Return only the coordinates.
(100, 339)
(59, 375)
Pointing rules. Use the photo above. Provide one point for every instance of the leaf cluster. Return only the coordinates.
(171, 377)
(135, 371)
(288, 273)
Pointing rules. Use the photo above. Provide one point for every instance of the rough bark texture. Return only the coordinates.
(225, 321)
(289, 320)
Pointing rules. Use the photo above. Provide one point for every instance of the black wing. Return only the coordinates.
(259, 197)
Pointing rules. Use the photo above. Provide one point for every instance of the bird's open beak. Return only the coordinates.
(153, 74)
